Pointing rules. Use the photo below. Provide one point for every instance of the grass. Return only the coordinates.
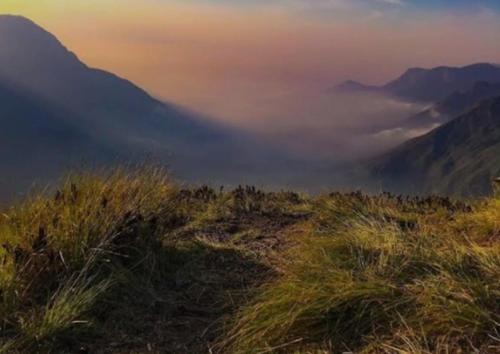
(386, 278)
(61, 254)
(131, 262)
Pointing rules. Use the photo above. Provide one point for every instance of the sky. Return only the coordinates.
(249, 63)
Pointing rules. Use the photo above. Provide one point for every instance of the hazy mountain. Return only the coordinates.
(64, 110)
(457, 103)
(38, 142)
(37, 62)
(432, 85)
(351, 86)
(460, 157)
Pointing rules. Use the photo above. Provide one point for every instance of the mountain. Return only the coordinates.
(37, 140)
(66, 111)
(457, 103)
(351, 86)
(438, 83)
(432, 85)
(460, 158)
(37, 62)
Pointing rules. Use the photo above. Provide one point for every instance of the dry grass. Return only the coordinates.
(61, 254)
(128, 262)
(378, 277)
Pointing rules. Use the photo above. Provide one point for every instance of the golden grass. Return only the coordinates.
(380, 274)
(365, 282)
(60, 254)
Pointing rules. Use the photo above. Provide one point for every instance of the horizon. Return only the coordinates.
(255, 80)
(207, 49)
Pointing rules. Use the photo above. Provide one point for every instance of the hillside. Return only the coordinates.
(460, 157)
(129, 262)
(103, 109)
(457, 103)
(37, 141)
(431, 85)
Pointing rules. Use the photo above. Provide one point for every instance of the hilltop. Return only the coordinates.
(130, 262)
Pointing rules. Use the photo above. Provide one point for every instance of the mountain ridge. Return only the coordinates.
(115, 112)
(457, 103)
(430, 85)
(460, 158)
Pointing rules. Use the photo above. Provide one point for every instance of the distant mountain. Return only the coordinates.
(457, 103)
(57, 108)
(461, 157)
(438, 83)
(432, 85)
(350, 86)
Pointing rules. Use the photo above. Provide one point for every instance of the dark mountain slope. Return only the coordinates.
(461, 157)
(35, 60)
(37, 141)
(457, 103)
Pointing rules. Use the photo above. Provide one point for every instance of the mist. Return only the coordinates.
(324, 126)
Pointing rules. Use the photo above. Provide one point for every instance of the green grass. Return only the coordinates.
(129, 262)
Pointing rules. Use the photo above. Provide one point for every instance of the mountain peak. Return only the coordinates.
(22, 40)
(415, 70)
(16, 19)
(431, 85)
(21, 27)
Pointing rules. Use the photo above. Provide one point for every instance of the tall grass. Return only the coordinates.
(60, 254)
(349, 272)
(364, 281)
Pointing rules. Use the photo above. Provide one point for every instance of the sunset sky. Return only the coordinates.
(230, 58)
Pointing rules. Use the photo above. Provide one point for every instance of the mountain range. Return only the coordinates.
(457, 103)
(462, 157)
(56, 112)
(430, 85)
(460, 154)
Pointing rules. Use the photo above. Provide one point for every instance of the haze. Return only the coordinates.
(264, 66)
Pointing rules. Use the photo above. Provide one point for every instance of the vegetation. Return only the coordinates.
(131, 262)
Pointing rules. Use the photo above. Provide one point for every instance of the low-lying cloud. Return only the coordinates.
(327, 126)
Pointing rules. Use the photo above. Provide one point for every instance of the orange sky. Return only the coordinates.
(232, 61)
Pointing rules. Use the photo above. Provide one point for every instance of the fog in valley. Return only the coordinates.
(325, 125)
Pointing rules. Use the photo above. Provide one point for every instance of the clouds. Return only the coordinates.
(333, 9)
(327, 9)
(393, 2)
(333, 126)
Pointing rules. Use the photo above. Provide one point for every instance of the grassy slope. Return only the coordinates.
(132, 263)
